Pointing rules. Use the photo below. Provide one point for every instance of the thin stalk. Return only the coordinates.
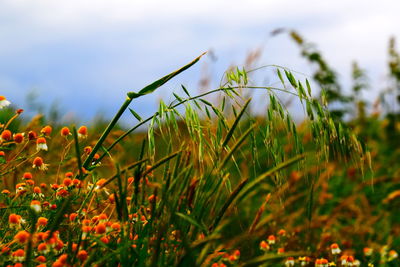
(107, 131)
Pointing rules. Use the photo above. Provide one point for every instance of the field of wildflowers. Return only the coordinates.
(205, 185)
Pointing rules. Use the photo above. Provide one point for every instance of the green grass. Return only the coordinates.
(204, 185)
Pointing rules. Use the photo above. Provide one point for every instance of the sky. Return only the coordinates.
(84, 56)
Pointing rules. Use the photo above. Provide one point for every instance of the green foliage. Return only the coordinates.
(207, 179)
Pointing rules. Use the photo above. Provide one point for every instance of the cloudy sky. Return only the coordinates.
(85, 55)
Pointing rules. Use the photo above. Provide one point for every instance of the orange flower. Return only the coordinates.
(152, 198)
(100, 228)
(82, 255)
(60, 244)
(76, 182)
(67, 182)
(2, 157)
(148, 168)
(18, 255)
(271, 239)
(235, 255)
(32, 135)
(105, 239)
(393, 255)
(27, 176)
(14, 219)
(38, 163)
(62, 193)
(103, 217)
(100, 183)
(18, 138)
(368, 251)
(37, 190)
(55, 186)
(82, 132)
(264, 246)
(65, 131)
(42, 221)
(5, 191)
(41, 259)
(46, 130)
(5, 250)
(73, 216)
(42, 247)
(231, 258)
(57, 264)
(22, 237)
(6, 135)
(87, 150)
(63, 258)
(20, 188)
(30, 182)
(86, 229)
(116, 226)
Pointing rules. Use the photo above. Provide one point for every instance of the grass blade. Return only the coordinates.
(235, 123)
(153, 86)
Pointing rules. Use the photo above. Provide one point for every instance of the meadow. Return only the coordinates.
(210, 183)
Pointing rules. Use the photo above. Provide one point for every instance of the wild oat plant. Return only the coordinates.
(208, 184)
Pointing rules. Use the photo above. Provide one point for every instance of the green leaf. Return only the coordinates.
(153, 86)
(206, 102)
(135, 115)
(178, 97)
(191, 220)
(308, 87)
(280, 77)
(236, 146)
(235, 123)
(256, 182)
(185, 90)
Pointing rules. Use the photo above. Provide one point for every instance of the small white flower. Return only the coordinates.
(4, 102)
(393, 255)
(20, 189)
(41, 144)
(41, 147)
(289, 262)
(35, 206)
(335, 249)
